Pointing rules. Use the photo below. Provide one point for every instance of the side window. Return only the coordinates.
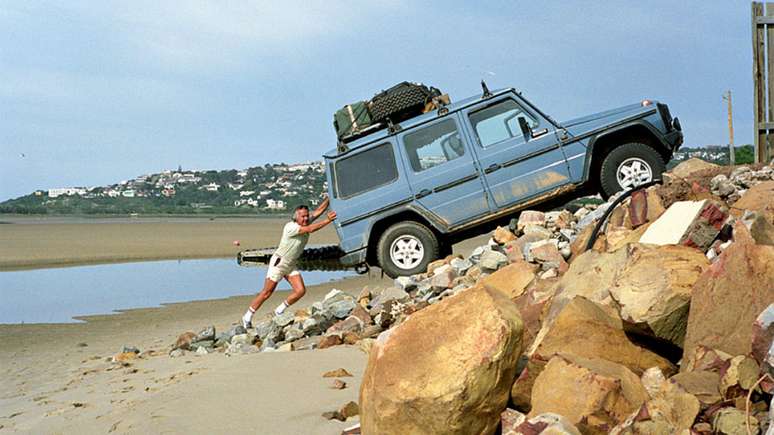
(365, 171)
(499, 122)
(433, 145)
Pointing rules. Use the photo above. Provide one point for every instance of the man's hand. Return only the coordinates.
(331, 215)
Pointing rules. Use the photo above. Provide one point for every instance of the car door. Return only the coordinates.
(442, 172)
(516, 167)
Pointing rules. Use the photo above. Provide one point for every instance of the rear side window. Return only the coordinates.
(365, 171)
(433, 145)
(499, 122)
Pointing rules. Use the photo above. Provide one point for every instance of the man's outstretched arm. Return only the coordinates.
(318, 225)
(320, 209)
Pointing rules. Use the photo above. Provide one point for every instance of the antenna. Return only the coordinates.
(484, 88)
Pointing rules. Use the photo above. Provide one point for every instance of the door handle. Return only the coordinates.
(422, 193)
(493, 167)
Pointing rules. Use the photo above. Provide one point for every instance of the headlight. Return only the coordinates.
(646, 103)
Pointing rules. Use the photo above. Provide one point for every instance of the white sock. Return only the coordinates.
(281, 308)
(248, 317)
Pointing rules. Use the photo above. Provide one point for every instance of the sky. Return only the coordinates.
(92, 93)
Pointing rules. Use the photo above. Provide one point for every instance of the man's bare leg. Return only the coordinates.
(299, 289)
(260, 298)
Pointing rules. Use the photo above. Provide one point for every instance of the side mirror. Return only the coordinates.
(526, 130)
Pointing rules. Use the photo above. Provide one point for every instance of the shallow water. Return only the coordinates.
(57, 295)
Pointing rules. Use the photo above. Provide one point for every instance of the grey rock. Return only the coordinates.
(593, 216)
(538, 231)
(307, 343)
(424, 287)
(493, 260)
(475, 256)
(342, 308)
(227, 335)
(293, 333)
(176, 353)
(284, 319)
(264, 327)
(201, 350)
(738, 172)
(716, 180)
(315, 308)
(203, 343)
(460, 265)
(130, 349)
(443, 278)
(240, 348)
(405, 283)
(205, 334)
(389, 294)
(267, 344)
(222, 342)
(242, 339)
(311, 326)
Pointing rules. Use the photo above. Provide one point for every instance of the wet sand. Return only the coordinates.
(50, 242)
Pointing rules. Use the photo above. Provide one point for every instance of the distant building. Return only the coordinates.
(128, 193)
(69, 191)
(168, 192)
(212, 187)
(273, 204)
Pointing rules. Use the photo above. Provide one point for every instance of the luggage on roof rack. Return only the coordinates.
(353, 121)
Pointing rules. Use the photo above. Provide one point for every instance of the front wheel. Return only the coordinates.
(406, 249)
(629, 166)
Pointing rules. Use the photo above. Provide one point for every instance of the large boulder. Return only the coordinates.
(649, 286)
(592, 394)
(446, 369)
(759, 198)
(728, 297)
(512, 279)
(584, 329)
(654, 289)
(691, 167)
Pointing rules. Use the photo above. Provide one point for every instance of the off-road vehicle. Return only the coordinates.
(404, 194)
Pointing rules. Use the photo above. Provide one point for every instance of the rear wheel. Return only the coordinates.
(629, 166)
(406, 249)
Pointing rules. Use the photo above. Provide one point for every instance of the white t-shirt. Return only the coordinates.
(292, 243)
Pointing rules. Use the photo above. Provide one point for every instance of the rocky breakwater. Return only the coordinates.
(664, 326)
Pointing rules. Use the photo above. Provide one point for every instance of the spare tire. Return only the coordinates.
(401, 102)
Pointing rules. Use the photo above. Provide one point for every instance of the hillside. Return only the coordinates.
(261, 189)
(265, 189)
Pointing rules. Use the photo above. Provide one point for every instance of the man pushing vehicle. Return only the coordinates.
(282, 264)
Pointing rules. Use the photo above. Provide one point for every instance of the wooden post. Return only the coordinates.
(759, 114)
(769, 140)
(731, 150)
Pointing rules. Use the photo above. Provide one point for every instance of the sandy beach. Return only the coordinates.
(57, 378)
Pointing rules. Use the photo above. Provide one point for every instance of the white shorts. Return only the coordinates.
(279, 268)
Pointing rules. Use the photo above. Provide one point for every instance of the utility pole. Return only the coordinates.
(731, 156)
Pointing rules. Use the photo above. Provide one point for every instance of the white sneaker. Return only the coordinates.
(246, 324)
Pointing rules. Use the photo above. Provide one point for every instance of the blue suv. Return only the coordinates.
(404, 195)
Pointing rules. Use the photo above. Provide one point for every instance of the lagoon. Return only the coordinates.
(58, 295)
